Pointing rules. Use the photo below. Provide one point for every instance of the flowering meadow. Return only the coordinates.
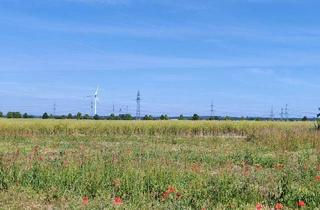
(70, 164)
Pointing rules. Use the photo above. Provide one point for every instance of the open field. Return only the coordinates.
(51, 164)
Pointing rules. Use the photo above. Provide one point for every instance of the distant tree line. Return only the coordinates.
(194, 117)
(15, 115)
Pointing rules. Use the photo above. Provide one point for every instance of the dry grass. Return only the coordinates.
(212, 165)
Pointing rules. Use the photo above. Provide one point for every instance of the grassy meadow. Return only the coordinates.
(70, 164)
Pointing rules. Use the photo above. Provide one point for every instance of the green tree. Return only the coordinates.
(17, 115)
(10, 115)
(96, 117)
(148, 117)
(86, 117)
(318, 121)
(181, 117)
(1, 114)
(164, 117)
(79, 116)
(45, 116)
(113, 117)
(14, 115)
(195, 117)
(125, 117)
(25, 115)
(69, 116)
(305, 118)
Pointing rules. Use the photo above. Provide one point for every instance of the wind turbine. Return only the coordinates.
(96, 100)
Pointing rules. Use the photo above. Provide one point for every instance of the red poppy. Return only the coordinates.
(318, 178)
(165, 195)
(259, 206)
(279, 206)
(85, 200)
(171, 189)
(117, 201)
(301, 204)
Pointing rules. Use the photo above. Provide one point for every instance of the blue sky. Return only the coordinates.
(244, 55)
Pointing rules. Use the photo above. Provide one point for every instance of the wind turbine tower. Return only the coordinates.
(96, 99)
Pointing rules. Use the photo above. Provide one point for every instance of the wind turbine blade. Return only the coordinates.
(96, 93)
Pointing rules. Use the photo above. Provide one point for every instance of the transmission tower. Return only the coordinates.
(211, 110)
(112, 108)
(91, 107)
(281, 114)
(272, 114)
(286, 112)
(138, 106)
(54, 109)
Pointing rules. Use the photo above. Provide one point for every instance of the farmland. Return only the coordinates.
(70, 164)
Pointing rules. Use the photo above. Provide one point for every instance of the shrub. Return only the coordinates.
(45, 116)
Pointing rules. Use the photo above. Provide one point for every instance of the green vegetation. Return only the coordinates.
(148, 117)
(14, 115)
(195, 117)
(164, 117)
(45, 116)
(74, 164)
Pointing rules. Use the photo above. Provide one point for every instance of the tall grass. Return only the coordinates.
(209, 164)
(154, 128)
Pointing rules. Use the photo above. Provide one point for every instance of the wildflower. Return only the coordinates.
(85, 200)
(165, 195)
(117, 201)
(171, 189)
(279, 206)
(318, 178)
(259, 206)
(280, 166)
(301, 204)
